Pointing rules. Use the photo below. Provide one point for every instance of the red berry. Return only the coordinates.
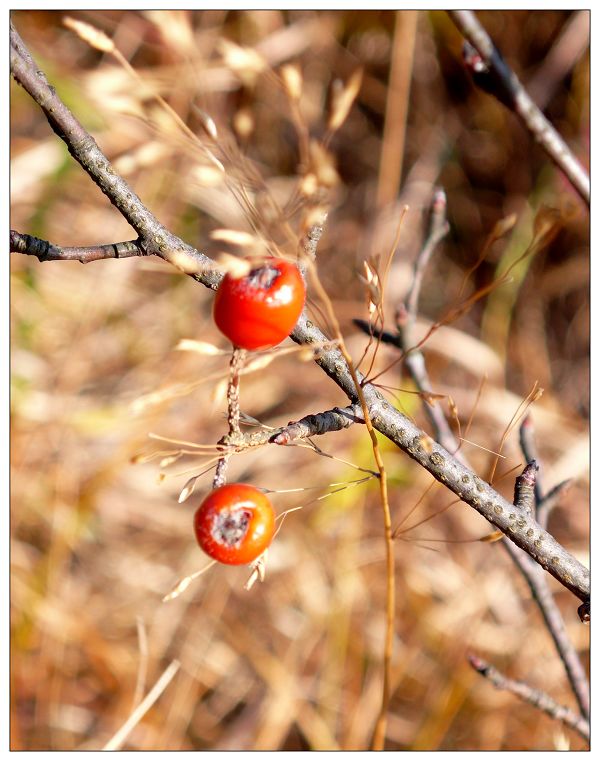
(235, 524)
(259, 310)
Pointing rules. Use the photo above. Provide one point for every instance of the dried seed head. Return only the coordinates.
(243, 123)
(309, 185)
(373, 287)
(88, 33)
(341, 99)
(200, 347)
(148, 154)
(323, 165)
(245, 62)
(235, 237)
(166, 461)
(503, 226)
(208, 176)
(233, 265)
(175, 28)
(254, 251)
(291, 77)
(206, 121)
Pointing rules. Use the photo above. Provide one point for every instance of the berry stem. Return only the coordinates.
(220, 478)
(238, 357)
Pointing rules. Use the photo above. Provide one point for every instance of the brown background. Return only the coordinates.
(97, 540)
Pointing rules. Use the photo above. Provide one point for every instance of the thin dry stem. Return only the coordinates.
(515, 94)
(121, 735)
(529, 694)
(380, 727)
(392, 151)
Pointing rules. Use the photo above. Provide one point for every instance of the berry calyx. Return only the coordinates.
(235, 524)
(259, 310)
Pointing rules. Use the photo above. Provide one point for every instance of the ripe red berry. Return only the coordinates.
(235, 524)
(259, 310)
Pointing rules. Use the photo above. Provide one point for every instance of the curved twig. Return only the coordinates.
(531, 695)
(512, 93)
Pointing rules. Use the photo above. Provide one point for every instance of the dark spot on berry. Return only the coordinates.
(230, 527)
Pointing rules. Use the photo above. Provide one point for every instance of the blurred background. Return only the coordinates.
(98, 537)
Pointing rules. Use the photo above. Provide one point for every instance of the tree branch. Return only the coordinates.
(503, 82)
(538, 582)
(527, 496)
(533, 696)
(155, 239)
(529, 449)
(406, 318)
(21, 243)
(518, 525)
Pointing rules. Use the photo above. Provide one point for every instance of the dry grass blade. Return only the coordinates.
(162, 683)
(184, 583)
(342, 98)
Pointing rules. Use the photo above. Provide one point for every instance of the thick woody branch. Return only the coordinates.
(443, 431)
(520, 527)
(527, 498)
(535, 697)
(506, 86)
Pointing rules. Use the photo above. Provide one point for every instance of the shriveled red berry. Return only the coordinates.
(235, 524)
(259, 310)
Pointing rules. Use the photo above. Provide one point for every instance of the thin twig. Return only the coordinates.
(21, 243)
(530, 452)
(533, 696)
(566, 51)
(406, 317)
(153, 236)
(511, 92)
(525, 488)
(359, 393)
(538, 583)
(540, 590)
(438, 229)
(311, 238)
(549, 501)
